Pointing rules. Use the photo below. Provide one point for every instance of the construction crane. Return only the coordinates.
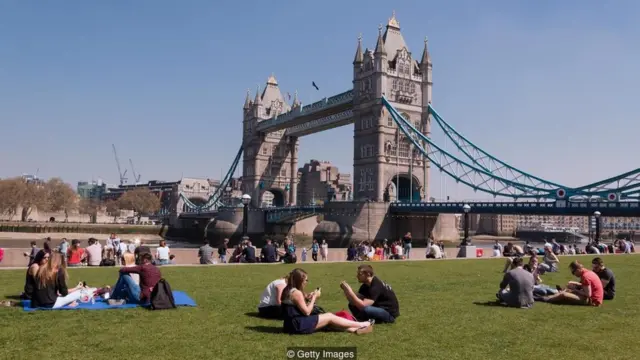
(136, 177)
(123, 179)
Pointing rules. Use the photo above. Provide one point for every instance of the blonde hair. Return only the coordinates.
(128, 259)
(48, 273)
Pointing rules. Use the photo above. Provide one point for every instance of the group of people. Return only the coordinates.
(397, 250)
(287, 300)
(271, 252)
(522, 285)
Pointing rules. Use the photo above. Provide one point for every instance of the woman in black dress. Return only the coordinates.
(297, 308)
(40, 259)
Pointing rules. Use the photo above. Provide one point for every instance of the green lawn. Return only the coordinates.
(439, 319)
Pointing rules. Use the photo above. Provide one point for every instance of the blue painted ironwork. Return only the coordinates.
(313, 125)
(559, 207)
(214, 200)
(286, 214)
(324, 104)
(612, 188)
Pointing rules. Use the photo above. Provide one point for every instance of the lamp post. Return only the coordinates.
(465, 241)
(597, 214)
(246, 200)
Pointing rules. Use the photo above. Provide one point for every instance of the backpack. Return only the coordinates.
(162, 296)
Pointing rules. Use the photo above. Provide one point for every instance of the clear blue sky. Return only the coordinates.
(549, 86)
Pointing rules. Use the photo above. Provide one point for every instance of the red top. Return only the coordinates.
(589, 278)
(149, 277)
(74, 257)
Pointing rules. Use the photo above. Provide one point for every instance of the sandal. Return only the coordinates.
(366, 329)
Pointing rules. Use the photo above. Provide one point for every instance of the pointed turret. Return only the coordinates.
(247, 101)
(296, 102)
(380, 50)
(257, 100)
(359, 57)
(426, 58)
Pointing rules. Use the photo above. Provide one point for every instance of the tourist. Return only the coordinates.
(297, 308)
(162, 253)
(222, 251)
(32, 254)
(549, 263)
(315, 247)
(268, 252)
(304, 254)
(289, 256)
(46, 247)
(51, 286)
(324, 250)
(63, 247)
(375, 298)
(539, 290)
(520, 285)
(94, 253)
(406, 245)
(205, 253)
(386, 249)
(30, 280)
(75, 254)
(270, 300)
(571, 250)
(248, 254)
(352, 253)
(606, 276)
(127, 289)
(122, 249)
(497, 249)
(433, 251)
(140, 250)
(108, 257)
(588, 291)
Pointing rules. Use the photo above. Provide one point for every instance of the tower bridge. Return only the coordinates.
(390, 109)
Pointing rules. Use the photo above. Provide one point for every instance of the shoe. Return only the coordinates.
(115, 302)
(364, 330)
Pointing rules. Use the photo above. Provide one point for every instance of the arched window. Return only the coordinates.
(395, 84)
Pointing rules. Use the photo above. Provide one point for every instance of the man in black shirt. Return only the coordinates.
(375, 299)
(606, 276)
(249, 253)
(268, 253)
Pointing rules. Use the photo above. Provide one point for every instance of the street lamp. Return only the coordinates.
(465, 241)
(246, 200)
(597, 214)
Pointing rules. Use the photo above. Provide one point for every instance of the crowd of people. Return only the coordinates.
(286, 299)
(271, 252)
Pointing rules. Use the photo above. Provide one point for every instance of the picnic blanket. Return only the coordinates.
(181, 299)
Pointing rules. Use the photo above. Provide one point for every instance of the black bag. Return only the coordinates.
(108, 262)
(317, 310)
(162, 296)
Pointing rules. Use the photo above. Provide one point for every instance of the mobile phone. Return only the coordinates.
(84, 283)
(317, 289)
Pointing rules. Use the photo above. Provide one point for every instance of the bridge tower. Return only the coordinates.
(270, 161)
(385, 164)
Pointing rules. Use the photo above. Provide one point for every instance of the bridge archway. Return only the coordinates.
(196, 200)
(405, 186)
(272, 197)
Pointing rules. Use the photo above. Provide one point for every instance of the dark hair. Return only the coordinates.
(47, 246)
(597, 261)
(171, 257)
(517, 262)
(527, 267)
(33, 243)
(366, 269)
(147, 257)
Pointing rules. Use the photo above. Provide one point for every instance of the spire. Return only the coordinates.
(393, 22)
(358, 58)
(257, 100)
(247, 100)
(296, 102)
(272, 80)
(426, 59)
(380, 44)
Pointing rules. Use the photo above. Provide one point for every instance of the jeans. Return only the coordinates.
(543, 268)
(407, 250)
(371, 312)
(544, 290)
(126, 289)
(223, 259)
(163, 261)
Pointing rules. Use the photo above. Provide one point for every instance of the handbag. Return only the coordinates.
(317, 310)
(345, 315)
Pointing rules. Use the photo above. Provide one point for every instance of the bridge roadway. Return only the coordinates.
(560, 207)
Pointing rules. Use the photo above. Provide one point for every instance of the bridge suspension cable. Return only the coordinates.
(214, 200)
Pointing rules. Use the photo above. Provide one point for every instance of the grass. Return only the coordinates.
(439, 319)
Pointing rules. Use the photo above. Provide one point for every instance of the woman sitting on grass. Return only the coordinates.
(549, 262)
(297, 311)
(30, 285)
(51, 286)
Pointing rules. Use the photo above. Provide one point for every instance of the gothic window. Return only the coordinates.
(413, 88)
(404, 149)
(366, 151)
(265, 149)
(370, 179)
(390, 121)
(406, 116)
(368, 66)
(393, 149)
(363, 180)
(273, 150)
(395, 84)
(366, 123)
(368, 84)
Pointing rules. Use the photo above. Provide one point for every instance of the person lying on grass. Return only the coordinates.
(588, 291)
(297, 311)
(375, 298)
(51, 286)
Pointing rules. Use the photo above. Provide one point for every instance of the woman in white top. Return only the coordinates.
(270, 304)
(324, 250)
(162, 253)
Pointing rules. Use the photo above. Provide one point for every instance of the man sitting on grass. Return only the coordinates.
(375, 299)
(270, 306)
(126, 287)
(520, 283)
(588, 291)
(606, 276)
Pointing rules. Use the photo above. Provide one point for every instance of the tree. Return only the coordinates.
(113, 209)
(59, 196)
(90, 207)
(141, 201)
(9, 196)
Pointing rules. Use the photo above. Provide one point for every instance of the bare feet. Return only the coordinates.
(73, 304)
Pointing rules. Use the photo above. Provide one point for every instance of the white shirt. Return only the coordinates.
(162, 252)
(123, 247)
(270, 293)
(399, 250)
(435, 251)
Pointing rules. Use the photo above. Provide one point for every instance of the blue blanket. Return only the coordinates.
(181, 299)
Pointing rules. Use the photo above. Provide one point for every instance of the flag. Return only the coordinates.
(314, 85)
(288, 95)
